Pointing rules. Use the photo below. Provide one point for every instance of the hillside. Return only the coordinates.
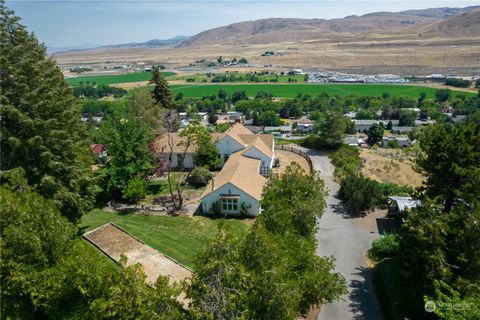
(463, 25)
(276, 30)
(414, 42)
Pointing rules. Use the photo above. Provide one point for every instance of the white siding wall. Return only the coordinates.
(187, 162)
(256, 154)
(228, 145)
(211, 198)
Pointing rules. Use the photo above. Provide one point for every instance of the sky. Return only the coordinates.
(88, 23)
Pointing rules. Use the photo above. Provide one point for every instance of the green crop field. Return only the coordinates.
(291, 90)
(115, 78)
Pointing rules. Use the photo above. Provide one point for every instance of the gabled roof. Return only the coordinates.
(160, 144)
(263, 142)
(241, 172)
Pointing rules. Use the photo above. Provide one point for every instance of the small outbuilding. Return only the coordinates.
(397, 205)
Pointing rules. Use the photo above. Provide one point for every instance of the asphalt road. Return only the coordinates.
(339, 236)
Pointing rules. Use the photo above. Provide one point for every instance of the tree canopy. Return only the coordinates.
(41, 131)
(450, 161)
(272, 272)
(129, 158)
(161, 92)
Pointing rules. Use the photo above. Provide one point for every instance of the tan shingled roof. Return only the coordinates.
(238, 128)
(263, 142)
(243, 173)
(161, 143)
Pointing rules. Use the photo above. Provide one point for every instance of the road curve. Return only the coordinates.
(339, 236)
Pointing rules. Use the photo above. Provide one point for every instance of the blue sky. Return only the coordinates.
(89, 23)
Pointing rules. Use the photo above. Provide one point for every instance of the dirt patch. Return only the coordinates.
(286, 158)
(114, 242)
(390, 165)
(369, 221)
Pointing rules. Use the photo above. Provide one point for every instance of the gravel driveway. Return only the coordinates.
(347, 241)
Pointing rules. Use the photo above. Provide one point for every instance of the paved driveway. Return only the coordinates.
(347, 241)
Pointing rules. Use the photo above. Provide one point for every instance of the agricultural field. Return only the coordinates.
(207, 78)
(291, 90)
(181, 238)
(115, 78)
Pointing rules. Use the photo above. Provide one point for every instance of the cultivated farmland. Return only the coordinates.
(291, 90)
(115, 78)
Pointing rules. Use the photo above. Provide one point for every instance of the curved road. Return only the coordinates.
(344, 239)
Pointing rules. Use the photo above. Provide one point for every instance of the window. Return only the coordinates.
(180, 159)
(229, 204)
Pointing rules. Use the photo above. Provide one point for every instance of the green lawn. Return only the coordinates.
(291, 90)
(160, 187)
(115, 78)
(181, 238)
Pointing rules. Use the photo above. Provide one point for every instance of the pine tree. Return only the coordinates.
(161, 93)
(41, 130)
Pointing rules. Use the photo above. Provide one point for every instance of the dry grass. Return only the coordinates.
(286, 158)
(403, 54)
(390, 165)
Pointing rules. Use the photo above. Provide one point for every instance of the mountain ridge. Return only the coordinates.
(295, 29)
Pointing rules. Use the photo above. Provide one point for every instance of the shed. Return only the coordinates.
(398, 205)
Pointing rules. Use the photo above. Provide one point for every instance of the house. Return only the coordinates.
(397, 205)
(354, 141)
(234, 116)
(281, 129)
(402, 141)
(364, 125)
(402, 130)
(222, 118)
(424, 122)
(305, 126)
(247, 159)
(254, 129)
(179, 157)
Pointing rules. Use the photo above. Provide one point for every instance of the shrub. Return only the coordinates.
(393, 144)
(199, 177)
(312, 142)
(134, 190)
(384, 247)
(346, 160)
(359, 194)
(458, 83)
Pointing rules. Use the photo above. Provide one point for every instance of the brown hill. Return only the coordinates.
(297, 30)
(463, 25)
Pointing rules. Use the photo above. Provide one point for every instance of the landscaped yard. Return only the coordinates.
(114, 78)
(180, 237)
(291, 90)
(159, 187)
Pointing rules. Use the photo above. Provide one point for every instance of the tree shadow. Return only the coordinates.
(362, 296)
(388, 224)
